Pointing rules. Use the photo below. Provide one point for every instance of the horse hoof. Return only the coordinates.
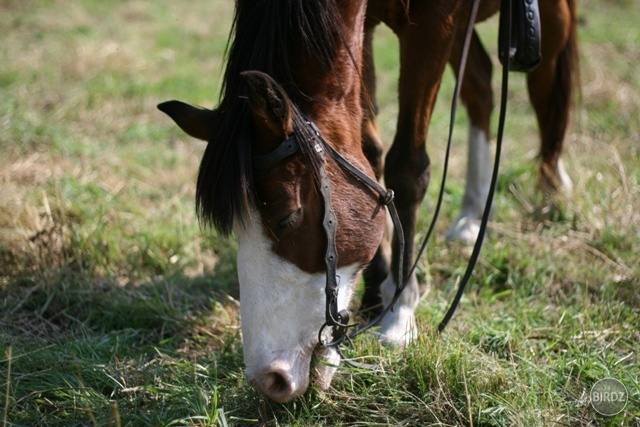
(552, 180)
(465, 230)
(398, 328)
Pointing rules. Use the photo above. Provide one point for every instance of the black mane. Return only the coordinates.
(262, 34)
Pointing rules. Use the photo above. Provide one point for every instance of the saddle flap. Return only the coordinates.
(524, 46)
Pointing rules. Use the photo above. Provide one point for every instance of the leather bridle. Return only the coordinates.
(307, 138)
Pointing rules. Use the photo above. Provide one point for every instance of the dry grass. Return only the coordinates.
(116, 306)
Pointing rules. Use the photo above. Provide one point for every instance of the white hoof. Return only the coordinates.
(464, 230)
(565, 179)
(398, 327)
(553, 180)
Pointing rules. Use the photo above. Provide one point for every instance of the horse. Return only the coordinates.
(294, 109)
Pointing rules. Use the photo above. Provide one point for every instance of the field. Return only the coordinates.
(118, 309)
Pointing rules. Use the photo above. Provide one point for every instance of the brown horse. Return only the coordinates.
(296, 65)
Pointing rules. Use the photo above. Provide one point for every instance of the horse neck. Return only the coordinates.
(334, 94)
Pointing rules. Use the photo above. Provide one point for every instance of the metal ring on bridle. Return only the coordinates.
(387, 199)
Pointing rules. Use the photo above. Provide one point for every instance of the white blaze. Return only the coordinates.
(282, 306)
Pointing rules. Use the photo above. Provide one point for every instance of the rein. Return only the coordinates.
(307, 137)
(521, 54)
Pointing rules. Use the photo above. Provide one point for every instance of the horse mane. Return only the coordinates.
(261, 37)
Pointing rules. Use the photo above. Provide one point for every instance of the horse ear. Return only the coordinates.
(270, 106)
(197, 122)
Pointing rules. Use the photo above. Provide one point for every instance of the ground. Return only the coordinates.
(118, 309)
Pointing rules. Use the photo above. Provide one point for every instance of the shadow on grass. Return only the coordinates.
(67, 301)
(82, 346)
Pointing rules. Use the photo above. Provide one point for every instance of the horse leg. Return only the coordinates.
(378, 268)
(407, 169)
(550, 86)
(477, 96)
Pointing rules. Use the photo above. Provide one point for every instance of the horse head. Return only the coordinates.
(281, 240)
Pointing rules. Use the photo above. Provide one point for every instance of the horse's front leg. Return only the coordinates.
(425, 41)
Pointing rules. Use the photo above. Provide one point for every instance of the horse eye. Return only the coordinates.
(289, 222)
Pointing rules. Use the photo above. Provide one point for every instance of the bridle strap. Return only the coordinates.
(305, 130)
(386, 199)
(261, 164)
(307, 138)
(334, 318)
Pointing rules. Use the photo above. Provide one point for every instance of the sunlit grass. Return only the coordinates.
(116, 308)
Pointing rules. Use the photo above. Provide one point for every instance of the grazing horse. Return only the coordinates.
(295, 65)
(287, 55)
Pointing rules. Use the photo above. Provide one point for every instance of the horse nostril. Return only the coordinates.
(278, 384)
(279, 380)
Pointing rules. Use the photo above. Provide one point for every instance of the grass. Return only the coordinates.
(117, 309)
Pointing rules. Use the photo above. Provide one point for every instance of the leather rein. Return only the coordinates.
(307, 138)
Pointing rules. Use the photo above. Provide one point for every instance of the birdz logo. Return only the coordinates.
(609, 396)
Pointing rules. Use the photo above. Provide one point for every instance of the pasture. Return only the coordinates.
(118, 309)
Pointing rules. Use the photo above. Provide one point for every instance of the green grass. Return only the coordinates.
(117, 309)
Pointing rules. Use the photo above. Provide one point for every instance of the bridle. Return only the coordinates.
(307, 138)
